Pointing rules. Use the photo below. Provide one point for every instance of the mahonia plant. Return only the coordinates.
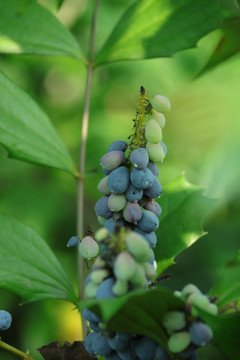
(129, 215)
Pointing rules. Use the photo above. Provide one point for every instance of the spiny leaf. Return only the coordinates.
(227, 288)
(160, 28)
(28, 28)
(183, 210)
(26, 132)
(28, 267)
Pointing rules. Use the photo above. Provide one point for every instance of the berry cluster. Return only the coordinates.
(186, 330)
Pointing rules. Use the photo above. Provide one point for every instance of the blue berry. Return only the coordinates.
(154, 168)
(149, 221)
(112, 160)
(164, 147)
(161, 353)
(101, 207)
(101, 346)
(142, 179)
(5, 320)
(133, 194)
(118, 145)
(117, 344)
(118, 180)
(132, 212)
(200, 333)
(155, 190)
(139, 158)
(153, 206)
(104, 290)
(110, 224)
(90, 316)
(88, 342)
(73, 241)
(146, 348)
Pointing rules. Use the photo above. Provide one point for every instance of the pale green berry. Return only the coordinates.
(153, 132)
(101, 219)
(117, 202)
(174, 320)
(120, 288)
(98, 276)
(159, 117)
(139, 278)
(190, 289)
(155, 152)
(138, 246)
(88, 247)
(179, 294)
(212, 309)
(91, 290)
(179, 341)
(101, 234)
(199, 300)
(150, 271)
(124, 266)
(102, 186)
(161, 103)
(99, 262)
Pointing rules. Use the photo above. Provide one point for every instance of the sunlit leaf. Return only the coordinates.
(29, 28)
(183, 210)
(160, 28)
(28, 267)
(26, 132)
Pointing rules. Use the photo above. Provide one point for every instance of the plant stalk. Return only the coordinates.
(84, 135)
(13, 350)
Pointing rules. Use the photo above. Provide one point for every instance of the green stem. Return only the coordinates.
(13, 350)
(84, 134)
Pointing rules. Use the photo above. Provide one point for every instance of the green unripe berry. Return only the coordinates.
(101, 234)
(200, 300)
(139, 278)
(117, 202)
(161, 103)
(159, 117)
(174, 320)
(101, 219)
(124, 266)
(150, 271)
(98, 276)
(102, 186)
(155, 152)
(99, 262)
(120, 288)
(138, 246)
(212, 309)
(179, 341)
(91, 290)
(153, 132)
(88, 247)
(190, 289)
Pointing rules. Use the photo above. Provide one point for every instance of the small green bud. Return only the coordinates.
(88, 247)
(101, 234)
(161, 103)
(101, 219)
(190, 289)
(150, 271)
(153, 132)
(139, 278)
(98, 276)
(138, 246)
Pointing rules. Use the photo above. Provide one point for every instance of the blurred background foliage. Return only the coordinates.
(202, 135)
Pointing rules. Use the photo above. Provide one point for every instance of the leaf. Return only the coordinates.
(227, 288)
(228, 45)
(226, 330)
(183, 210)
(28, 28)
(67, 351)
(26, 132)
(59, 2)
(139, 312)
(28, 267)
(160, 28)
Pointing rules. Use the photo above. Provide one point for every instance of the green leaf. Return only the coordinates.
(160, 28)
(139, 312)
(228, 45)
(26, 132)
(28, 267)
(183, 210)
(28, 28)
(226, 330)
(227, 288)
(60, 3)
